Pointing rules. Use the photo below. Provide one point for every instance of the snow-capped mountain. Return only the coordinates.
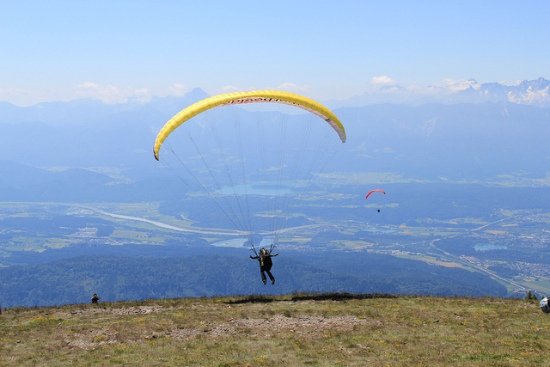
(528, 92)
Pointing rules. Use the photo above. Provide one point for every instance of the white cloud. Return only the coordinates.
(113, 94)
(177, 90)
(142, 95)
(460, 85)
(293, 87)
(382, 80)
(107, 93)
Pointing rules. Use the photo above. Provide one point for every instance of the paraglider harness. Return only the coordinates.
(264, 257)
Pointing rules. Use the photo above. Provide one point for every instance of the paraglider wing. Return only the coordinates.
(248, 97)
(373, 191)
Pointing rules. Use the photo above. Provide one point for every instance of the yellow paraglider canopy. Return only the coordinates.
(257, 96)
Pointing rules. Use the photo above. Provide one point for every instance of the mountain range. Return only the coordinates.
(86, 151)
(527, 92)
(110, 145)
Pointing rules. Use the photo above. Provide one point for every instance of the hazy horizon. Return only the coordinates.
(445, 106)
(132, 50)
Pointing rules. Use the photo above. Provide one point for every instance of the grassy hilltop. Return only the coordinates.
(319, 330)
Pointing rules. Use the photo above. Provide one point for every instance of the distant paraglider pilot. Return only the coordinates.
(95, 298)
(264, 258)
(372, 192)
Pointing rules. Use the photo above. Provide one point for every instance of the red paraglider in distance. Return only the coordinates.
(373, 191)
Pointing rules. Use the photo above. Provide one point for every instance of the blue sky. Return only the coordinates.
(116, 50)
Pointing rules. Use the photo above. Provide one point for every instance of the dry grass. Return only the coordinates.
(309, 331)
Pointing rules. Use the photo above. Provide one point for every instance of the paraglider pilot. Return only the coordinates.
(265, 264)
(95, 298)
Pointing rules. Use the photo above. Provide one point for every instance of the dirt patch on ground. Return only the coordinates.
(305, 325)
(137, 310)
(130, 310)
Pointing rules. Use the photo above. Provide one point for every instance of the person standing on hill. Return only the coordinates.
(95, 298)
(265, 264)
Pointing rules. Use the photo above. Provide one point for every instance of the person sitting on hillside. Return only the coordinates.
(95, 298)
(265, 264)
(545, 305)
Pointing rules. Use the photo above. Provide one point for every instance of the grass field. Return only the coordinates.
(331, 330)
